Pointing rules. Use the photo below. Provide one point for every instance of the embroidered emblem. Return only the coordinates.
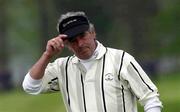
(109, 77)
(53, 84)
(65, 24)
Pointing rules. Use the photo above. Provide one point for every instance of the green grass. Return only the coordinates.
(169, 88)
(18, 101)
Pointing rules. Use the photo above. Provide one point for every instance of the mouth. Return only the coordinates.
(83, 51)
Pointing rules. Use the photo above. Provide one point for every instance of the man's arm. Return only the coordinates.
(141, 85)
(154, 109)
(54, 46)
(152, 105)
(32, 81)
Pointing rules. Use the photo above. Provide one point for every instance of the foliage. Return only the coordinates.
(24, 23)
(149, 29)
(22, 27)
(165, 29)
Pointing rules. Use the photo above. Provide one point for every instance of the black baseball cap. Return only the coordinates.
(74, 25)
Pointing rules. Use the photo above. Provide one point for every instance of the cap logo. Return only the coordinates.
(65, 24)
(71, 26)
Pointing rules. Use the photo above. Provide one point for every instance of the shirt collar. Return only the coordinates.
(98, 53)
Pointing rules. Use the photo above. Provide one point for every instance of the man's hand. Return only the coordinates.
(55, 45)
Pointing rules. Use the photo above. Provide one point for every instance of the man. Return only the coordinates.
(95, 78)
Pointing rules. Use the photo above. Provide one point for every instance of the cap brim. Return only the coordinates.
(73, 32)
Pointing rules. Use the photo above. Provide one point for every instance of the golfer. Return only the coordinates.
(95, 78)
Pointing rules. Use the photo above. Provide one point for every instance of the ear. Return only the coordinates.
(93, 33)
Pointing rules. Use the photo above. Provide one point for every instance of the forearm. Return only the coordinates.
(54, 46)
(38, 69)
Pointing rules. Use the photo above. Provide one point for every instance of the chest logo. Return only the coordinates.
(109, 77)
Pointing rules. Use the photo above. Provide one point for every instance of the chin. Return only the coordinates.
(84, 57)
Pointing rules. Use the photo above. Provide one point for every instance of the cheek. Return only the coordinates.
(72, 49)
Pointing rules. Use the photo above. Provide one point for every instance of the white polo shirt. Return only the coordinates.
(110, 81)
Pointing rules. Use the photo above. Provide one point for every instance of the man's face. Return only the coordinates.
(83, 45)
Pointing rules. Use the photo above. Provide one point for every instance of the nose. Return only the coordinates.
(79, 41)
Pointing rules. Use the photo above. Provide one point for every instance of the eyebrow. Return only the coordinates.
(74, 37)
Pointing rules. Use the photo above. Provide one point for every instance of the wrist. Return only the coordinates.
(47, 55)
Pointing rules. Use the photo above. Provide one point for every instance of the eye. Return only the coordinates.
(72, 39)
(81, 35)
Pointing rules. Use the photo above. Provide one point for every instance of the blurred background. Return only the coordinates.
(147, 29)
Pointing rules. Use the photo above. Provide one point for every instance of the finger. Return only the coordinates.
(57, 45)
(49, 48)
(55, 42)
(52, 46)
(59, 42)
(62, 36)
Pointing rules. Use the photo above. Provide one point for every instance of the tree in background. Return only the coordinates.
(5, 76)
(47, 20)
(134, 15)
(137, 26)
